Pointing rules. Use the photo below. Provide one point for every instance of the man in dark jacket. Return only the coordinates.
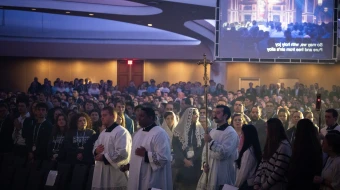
(6, 129)
(37, 133)
(260, 124)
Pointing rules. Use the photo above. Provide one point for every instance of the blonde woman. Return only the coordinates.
(120, 119)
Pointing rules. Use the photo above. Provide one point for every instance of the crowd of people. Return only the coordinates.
(157, 136)
(255, 38)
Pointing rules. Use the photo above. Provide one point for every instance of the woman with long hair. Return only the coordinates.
(249, 158)
(306, 160)
(76, 138)
(188, 143)
(95, 118)
(271, 173)
(309, 115)
(283, 115)
(121, 119)
(169, 124)
(237, 121)
(58, 134)
(296, 117)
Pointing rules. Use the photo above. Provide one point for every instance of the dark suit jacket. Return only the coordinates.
(291, 134)
(42, 139)
(79, 101)
(6, 142)
(260, 126)
(251, 91)
(300, 93)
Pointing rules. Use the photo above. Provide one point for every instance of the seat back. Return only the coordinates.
(6, 176)
(7, 160)
(20, 178)
(64, 175)
(46, 167)
(89, 179)
(79, 177)
(19, 162)
(35, 180)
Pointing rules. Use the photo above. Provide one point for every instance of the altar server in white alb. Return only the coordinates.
(111, 150)
(223, 142)
(150, 164)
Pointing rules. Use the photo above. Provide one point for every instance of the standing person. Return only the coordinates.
(6, 129)
(120, 108)
(169, 124)
(222, 142)
(39, 134)
(292, 128)
(95, 118)
(331, 118)
(58, 135)
(330, 176)
(75, 140)
(249, 158)
(260, 124)
(111, 151)
(76, 97)
(272, 170)
(188, 145)
(283, 115)
(20, 148)
(150, 164)
(306, 160)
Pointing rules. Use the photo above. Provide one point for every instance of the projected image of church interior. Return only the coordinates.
(255, 26)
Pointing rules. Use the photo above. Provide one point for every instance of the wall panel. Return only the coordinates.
(325, 75)
(18, 73)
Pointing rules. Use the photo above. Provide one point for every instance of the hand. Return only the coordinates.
(256, 187)
(99, 157)
(100, 149)
(80, 156)
(187, 163)
(318, 179)
(140, 151)
(30, 156)
(206, 168)
(124, 168)
(207, 138)
(321, 136)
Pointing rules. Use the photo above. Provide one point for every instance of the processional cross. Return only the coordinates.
(205, 62)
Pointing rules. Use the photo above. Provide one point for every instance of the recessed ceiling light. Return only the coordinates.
(91, 14)
(68, 12)
(149, 24)
(34, 9)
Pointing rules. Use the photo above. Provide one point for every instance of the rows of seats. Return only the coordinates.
(17, 174)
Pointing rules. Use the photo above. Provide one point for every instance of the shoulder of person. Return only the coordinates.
(337, 128)
(285, 146)
(90, 131)
(230, 130)
(262, 121)
(159, 130)
(120, 129)
(249, 151)
(126, 117)
(48, 123)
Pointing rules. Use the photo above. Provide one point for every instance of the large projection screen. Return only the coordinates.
(276, 30)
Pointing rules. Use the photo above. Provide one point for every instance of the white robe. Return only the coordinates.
(222, 155)
(156, 173)
(117, 149)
